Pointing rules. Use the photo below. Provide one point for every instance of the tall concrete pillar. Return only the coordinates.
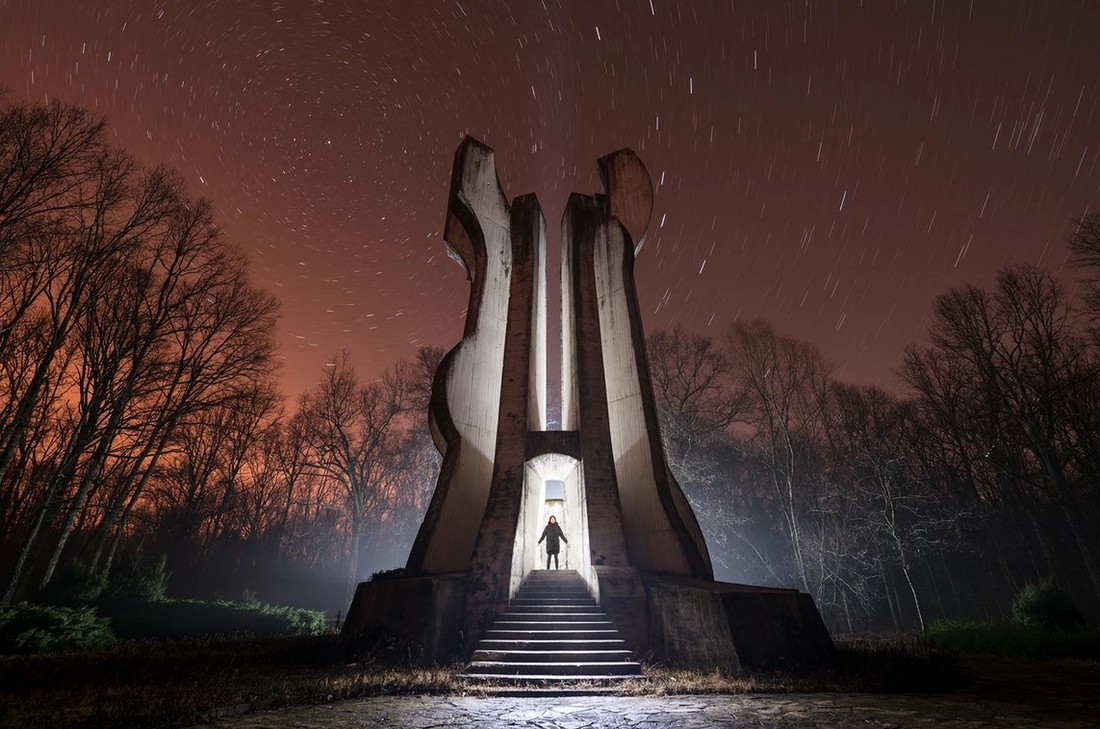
(483, 402)
(607, 388)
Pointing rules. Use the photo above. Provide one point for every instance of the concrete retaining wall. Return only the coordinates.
(719, 625)
(423, 615)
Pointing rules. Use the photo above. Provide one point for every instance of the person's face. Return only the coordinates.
(553, 520)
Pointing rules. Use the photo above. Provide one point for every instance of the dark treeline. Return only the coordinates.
(139, 407)
(141, 417)
(890, 510)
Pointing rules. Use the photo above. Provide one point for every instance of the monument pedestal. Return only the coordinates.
(421, 615)
(678, 621)
(718, 625)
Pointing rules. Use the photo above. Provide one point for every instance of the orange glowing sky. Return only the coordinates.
(829, 166)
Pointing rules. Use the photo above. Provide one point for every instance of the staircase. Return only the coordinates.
(553, 631)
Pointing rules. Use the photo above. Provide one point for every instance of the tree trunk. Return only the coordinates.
(353, 568)
(913, 592)
(886, 589)
(1088, 561)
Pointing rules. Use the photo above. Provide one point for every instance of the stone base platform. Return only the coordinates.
(679, 621)
(424, 615)
(710, 625)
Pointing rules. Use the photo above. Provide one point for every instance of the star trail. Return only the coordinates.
(830, 167)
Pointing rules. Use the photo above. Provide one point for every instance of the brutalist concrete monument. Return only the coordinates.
(632, 534)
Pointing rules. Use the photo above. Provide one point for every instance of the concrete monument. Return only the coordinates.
(631, 532)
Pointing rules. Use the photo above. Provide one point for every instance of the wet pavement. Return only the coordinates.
(1005, 693)
(952, 710)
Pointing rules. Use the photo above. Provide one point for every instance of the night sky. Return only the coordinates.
(830, 167)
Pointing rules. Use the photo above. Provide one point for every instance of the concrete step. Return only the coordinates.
(562, 608)
(553, 685)
(544, 625)
(553, 644)
(550, 634)
(591, 668)
(511, 616)
(553, 631)
(552, 656)
(554, 577)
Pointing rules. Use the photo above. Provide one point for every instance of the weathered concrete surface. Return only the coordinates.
(487, 395)
(639, 521)
(466, 392)
(623, 513)
(423, 613)
(584, 396)
(958, 710)
(710, 625)
(688, 626)
(775, 628)
(606, 390)
(506, 524)
(661, 529)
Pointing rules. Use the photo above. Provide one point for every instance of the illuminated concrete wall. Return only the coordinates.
(489, 393)
(536, 375)
(576, 526)
(525, 549)
(569, 510)
(631, 532)
(621, 510)
(584, 395)
(609, 376)
(467, 396)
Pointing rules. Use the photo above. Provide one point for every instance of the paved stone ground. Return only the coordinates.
(788, 710)
(1006, 695)
(791, 711)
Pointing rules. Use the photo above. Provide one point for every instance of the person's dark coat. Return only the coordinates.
(552, 533)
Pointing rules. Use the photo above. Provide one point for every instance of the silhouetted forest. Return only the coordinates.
(894, 510)
(141, 416)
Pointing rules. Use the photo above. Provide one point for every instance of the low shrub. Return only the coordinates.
(29, 628)
(175, 619)
(74, 583)
(137, 578)
(1042, 605)
(1014, 639)
(299, 621)
(249, 599)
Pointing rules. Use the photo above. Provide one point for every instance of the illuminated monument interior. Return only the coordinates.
(632, 535)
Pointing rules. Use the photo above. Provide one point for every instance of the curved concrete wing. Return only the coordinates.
(465, 400)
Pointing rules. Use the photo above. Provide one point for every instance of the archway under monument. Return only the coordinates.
(632, 535)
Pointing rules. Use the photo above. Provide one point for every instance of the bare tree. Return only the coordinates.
(696, 397)
(697, 403)
(220, 343)
(121, 310)
(49, 155)
(873, 434)
(120, 206)
(1009, 378)
(1084, 249)
(785, 381)
(354, 431)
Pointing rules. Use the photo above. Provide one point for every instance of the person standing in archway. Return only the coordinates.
(552, 533)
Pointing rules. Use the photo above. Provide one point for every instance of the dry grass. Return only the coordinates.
(177, 684)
